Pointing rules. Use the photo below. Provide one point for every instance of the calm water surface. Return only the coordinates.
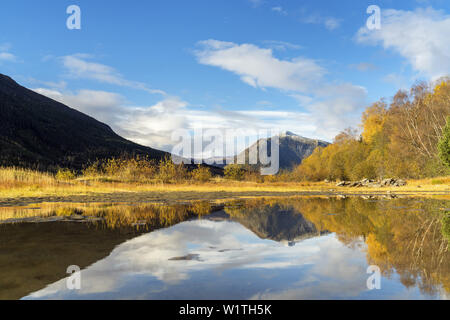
(294, 248)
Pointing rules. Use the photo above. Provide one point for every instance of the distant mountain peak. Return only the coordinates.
(293, 136)
(288, 134)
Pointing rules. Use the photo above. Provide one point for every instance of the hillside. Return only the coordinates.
(38, 132)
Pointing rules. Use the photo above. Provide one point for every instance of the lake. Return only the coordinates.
(271, 248)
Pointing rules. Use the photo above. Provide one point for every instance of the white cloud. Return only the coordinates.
(258, 67)
(332, 23)
(329, 22)
(327, 107)
(103, 106)
(5, 55)
(281, 45)
(421, 36)
(78, 66)
(221, 247)
(332, 106)
(153, 125)
(280, 10)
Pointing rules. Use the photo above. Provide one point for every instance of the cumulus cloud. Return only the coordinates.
(332, 106)
(5, 55)
(326, 107)
(258, 67)
(153, 125)
(222, 247)
(79, 66)
(103, 106)
(420, 36)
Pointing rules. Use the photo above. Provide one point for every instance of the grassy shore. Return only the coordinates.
(16, 184)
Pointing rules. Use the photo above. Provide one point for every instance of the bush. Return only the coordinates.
(93, 170)
(446, 226)
(65, 175)
(201, 174)
(234, 172)
(444, 145)
(131, 170)
(169, 171)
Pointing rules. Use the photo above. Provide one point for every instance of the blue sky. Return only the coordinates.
(149, 67)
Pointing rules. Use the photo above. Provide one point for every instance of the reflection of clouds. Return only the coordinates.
(336, 271)
(315, 268)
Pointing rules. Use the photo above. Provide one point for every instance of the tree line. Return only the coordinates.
(408, 138)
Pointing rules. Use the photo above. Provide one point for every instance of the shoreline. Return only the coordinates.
(178, 194)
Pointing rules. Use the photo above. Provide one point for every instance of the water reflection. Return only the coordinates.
(293, 248)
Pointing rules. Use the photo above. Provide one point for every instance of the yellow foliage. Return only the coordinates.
(201, 174)
(373, 120)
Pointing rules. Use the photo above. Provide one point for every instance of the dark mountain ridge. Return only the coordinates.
(40, 133)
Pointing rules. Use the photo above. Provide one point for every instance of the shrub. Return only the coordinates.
(169, 171)
(446, 226)
(201, 174)
(444, 144)
(131, 170)
(234, 172)
(93, 170)
(65, 175)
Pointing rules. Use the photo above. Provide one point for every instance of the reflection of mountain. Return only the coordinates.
(33, 255)
(271, 222)
(277, 224)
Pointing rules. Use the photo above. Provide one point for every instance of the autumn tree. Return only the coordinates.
(396, 141)
(373, 120)
(444, 144)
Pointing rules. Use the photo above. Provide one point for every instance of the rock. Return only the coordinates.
(375, 185)
(356, 184)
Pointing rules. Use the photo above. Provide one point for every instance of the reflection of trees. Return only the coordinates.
(56, 245)
(143, 216)
(402, 235)
(149, 217)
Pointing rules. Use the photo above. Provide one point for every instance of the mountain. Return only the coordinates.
(38, 132)
(293, 149)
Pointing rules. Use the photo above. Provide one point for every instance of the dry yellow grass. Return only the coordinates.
(17, 183)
